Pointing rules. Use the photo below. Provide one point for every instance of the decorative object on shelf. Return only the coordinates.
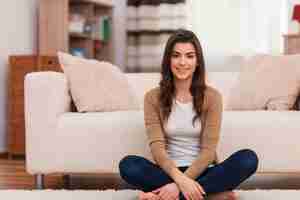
(78, 52)
(76, 23)
(150, 23)
(88, 28)
(98, 45)
(296, 14)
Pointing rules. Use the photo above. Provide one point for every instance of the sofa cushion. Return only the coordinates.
(266, 78)
(97, 86)
(142, 83)
(223, 82)
(99, 141)
(273, 135)
(280, 103)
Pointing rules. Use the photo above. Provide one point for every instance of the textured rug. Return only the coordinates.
(132, 194)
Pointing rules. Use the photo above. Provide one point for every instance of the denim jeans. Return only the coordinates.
(221, 177)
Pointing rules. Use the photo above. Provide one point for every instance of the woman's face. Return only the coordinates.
(183, 61)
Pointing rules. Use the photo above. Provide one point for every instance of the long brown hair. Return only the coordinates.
(167, 87)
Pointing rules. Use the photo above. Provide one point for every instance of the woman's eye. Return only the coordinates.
(175, 55)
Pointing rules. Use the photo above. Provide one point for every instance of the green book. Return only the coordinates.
(106, 28)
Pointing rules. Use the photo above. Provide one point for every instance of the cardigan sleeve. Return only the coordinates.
(155, 134)
(209, 135)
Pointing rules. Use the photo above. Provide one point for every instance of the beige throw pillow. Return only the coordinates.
(97, 86)
(267, 82)
(280, 103)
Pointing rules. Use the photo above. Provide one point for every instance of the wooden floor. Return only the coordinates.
(14, 176)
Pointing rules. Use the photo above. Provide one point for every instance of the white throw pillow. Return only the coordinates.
(265, 78)
(97, 86)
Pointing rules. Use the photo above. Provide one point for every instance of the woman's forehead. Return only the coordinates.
(184, 47)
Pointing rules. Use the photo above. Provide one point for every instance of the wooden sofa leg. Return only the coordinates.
(39, 181)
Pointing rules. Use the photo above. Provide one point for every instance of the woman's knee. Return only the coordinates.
(130, 166)
(248, 160)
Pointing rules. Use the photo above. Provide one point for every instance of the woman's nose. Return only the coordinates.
(182, 60)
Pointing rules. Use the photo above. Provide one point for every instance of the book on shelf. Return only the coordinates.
(102, 28)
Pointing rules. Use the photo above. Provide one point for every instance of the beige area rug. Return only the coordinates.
(132, 194)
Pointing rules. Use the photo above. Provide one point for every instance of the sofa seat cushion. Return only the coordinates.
(92, 135)
(273, 135)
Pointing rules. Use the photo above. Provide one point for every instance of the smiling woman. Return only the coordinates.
(183, 119)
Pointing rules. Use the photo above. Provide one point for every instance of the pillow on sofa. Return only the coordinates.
(97, 86)
(280, 103)
(265, 78)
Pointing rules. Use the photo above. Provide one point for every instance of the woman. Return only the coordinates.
(183, 119)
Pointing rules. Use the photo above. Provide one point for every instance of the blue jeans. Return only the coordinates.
(221, 177)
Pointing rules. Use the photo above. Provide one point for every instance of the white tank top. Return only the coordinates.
(182, 137)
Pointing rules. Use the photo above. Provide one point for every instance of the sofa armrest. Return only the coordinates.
(46, 98)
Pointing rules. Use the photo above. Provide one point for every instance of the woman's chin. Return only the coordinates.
(182, 77)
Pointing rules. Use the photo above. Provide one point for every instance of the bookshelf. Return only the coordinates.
(79, 27)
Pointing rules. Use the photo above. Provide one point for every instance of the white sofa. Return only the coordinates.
(60, 141)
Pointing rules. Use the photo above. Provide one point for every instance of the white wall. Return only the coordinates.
(17, 36)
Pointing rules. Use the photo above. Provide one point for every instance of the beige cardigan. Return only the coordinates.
(209, 136)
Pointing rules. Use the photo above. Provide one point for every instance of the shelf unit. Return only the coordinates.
(19, 66)
(94, 35)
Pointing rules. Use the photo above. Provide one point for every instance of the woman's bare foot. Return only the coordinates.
(148, 196)
(228, 195)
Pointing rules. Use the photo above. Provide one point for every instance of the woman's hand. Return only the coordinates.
(168, 192)
(190, 189)
(148, 196)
